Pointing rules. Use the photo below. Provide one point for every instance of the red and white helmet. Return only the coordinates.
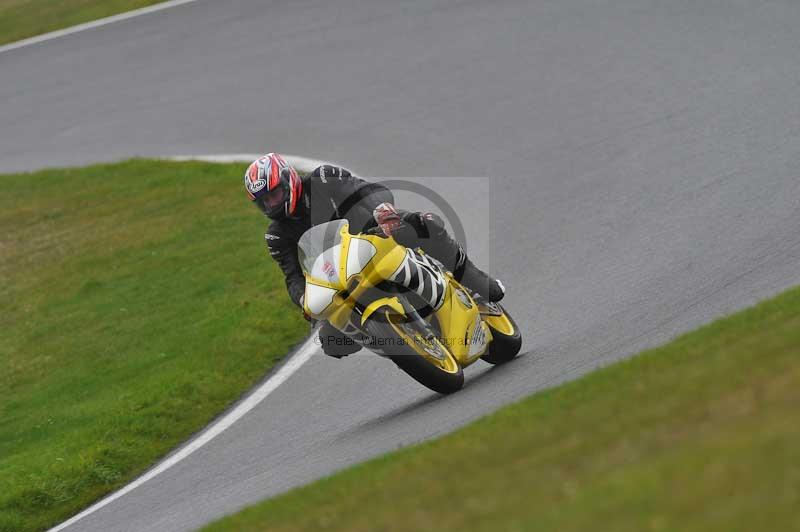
(273, 185)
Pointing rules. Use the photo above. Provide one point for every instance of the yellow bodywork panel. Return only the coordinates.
(391, 302)
(459, 318)
(500, 324)
(364, 261)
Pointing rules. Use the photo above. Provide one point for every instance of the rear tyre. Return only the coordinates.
(441, 376)
(506, 338)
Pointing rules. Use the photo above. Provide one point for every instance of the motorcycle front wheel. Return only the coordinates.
(506, 337)
(419, 353)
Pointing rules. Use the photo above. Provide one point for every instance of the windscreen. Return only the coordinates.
(319, 250)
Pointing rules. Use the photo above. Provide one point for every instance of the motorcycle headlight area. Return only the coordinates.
(359, 253)
(318, 297)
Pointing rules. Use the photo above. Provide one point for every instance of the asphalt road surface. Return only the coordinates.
(644, 162)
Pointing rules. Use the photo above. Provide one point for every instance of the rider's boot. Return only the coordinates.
(479, 281)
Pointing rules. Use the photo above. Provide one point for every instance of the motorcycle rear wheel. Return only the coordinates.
(443, 376)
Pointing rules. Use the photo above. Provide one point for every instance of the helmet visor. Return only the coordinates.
(274, 201)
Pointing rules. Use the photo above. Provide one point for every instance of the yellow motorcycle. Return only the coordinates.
(403, 305)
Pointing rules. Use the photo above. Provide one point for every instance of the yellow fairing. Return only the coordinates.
(460, 321)
(391, 302)
(365, 261)
(500, 324)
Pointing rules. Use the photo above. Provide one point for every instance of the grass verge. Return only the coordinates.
(20, 19)
(702, 434)
(136, 302)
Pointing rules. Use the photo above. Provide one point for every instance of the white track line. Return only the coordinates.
(93, 24)
(222, 158)
(304, 164)
(287, 370)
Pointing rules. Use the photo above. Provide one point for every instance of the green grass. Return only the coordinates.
(700, 435)
(137, 301)
(20, 19)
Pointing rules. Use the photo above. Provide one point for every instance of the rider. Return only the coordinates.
(295, 204)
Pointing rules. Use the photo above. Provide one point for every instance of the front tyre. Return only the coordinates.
(506, 336)
(423, 357)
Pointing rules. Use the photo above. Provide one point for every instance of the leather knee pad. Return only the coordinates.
(336, 344)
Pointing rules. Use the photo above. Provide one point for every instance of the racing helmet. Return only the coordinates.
(273, 186)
